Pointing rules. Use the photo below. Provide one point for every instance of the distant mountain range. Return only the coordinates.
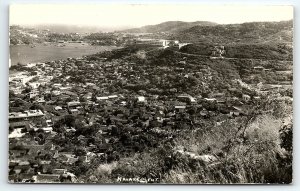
(193, 32)
(59, 28)
(170, 27)
(210, 32)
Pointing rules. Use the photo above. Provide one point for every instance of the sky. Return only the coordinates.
(116, 15)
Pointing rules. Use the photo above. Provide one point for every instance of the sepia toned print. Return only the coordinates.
(150, 94)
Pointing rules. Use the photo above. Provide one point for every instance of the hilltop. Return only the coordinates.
(253, 32)
(169, 26)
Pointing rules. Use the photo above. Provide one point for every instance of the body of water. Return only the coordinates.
(25, 54)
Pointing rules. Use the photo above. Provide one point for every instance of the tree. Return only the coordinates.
(80, 151)
(58, 126)
(85, 131)
(68, 100)
(37, 106)
(69, 120)
(82, 99)
(80, 168)
(27, 90)
(11, 94)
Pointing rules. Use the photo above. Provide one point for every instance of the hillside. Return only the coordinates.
(20, 35)
(253, 32)
(268, 51)
(246, 141)
(170, 26)
(24, 35)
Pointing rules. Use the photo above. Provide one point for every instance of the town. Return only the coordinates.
(177, 102)
(67, 115)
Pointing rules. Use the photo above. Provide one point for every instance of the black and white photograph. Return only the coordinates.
(150, 94)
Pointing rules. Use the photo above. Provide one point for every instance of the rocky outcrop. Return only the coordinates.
(206, 159)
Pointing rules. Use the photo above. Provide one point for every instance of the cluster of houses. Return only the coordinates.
(160, 42)
(126, 106)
